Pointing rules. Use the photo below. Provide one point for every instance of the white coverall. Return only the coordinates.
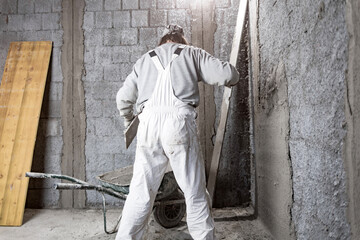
(167, 132)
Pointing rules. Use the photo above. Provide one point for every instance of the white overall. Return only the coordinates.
(167, 133)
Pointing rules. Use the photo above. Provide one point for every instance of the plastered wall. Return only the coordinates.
(300, 119)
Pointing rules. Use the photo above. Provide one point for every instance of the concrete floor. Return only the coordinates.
(88, 224)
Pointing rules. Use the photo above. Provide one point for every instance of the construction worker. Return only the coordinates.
(164, 88)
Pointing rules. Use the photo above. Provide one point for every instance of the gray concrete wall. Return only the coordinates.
(352, 102)
(23, 20)
(300, 119)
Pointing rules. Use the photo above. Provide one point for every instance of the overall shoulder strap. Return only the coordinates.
(177, 52)
(156, 60)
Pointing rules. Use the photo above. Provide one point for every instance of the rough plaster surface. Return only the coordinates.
(310, 38)
(39, 21)
(352, 102)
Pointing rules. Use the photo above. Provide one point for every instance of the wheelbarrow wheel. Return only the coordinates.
(169, 216)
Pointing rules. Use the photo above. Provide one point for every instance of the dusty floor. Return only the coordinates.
(88, 224)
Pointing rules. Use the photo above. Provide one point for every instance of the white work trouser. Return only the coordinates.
(166, 133)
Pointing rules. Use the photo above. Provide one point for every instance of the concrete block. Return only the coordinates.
(112, 37)
(112, 72)
(57, 37)
(112, 5)
(55, 90)
(105, 90)
(52, 164)
(103, 55)
(89, 55)
(35, 36)
(94, 37)
(3, 23)
(179, 17)
(93, 5)
(158, 18)
(25, 6)
(53, 145)
(15, 22)
(43, 6)
(94, 108)
(107, 127)
(56, 7)
(50, 127)
(93, 73)
(147, 4)
(222, 3)
(121, 19)
(8, 7)
(183, 4)
(51, 21)
(110, 109)
(56, 71)
(90, 141)
(125, 69)
(51, 109)
(32, 22)
(89, 21)
(187, 33)
(90, 122)
(140, 18)
(43, 198)
(148, 37)
(129, 36)
(169, 4)
(120, 54)
(99, 163)
(103, 20)
(124, 160)
(130, 4)
(136, 52)
(109, 145)
(93, 198)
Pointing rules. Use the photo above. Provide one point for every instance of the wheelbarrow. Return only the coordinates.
(169, 207)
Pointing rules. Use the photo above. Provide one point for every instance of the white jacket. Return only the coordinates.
(191, 66)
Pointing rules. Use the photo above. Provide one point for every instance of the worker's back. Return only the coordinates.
(192, 65)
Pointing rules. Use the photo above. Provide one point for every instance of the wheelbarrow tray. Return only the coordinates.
(119, 181)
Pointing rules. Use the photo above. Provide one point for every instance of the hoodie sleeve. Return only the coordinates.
(213, 71)
(127, 95)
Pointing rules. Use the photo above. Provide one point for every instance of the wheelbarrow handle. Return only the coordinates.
(58, 176)
(90, 187)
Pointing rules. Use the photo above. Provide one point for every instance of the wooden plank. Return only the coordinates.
(226, 100)
(21, 94)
